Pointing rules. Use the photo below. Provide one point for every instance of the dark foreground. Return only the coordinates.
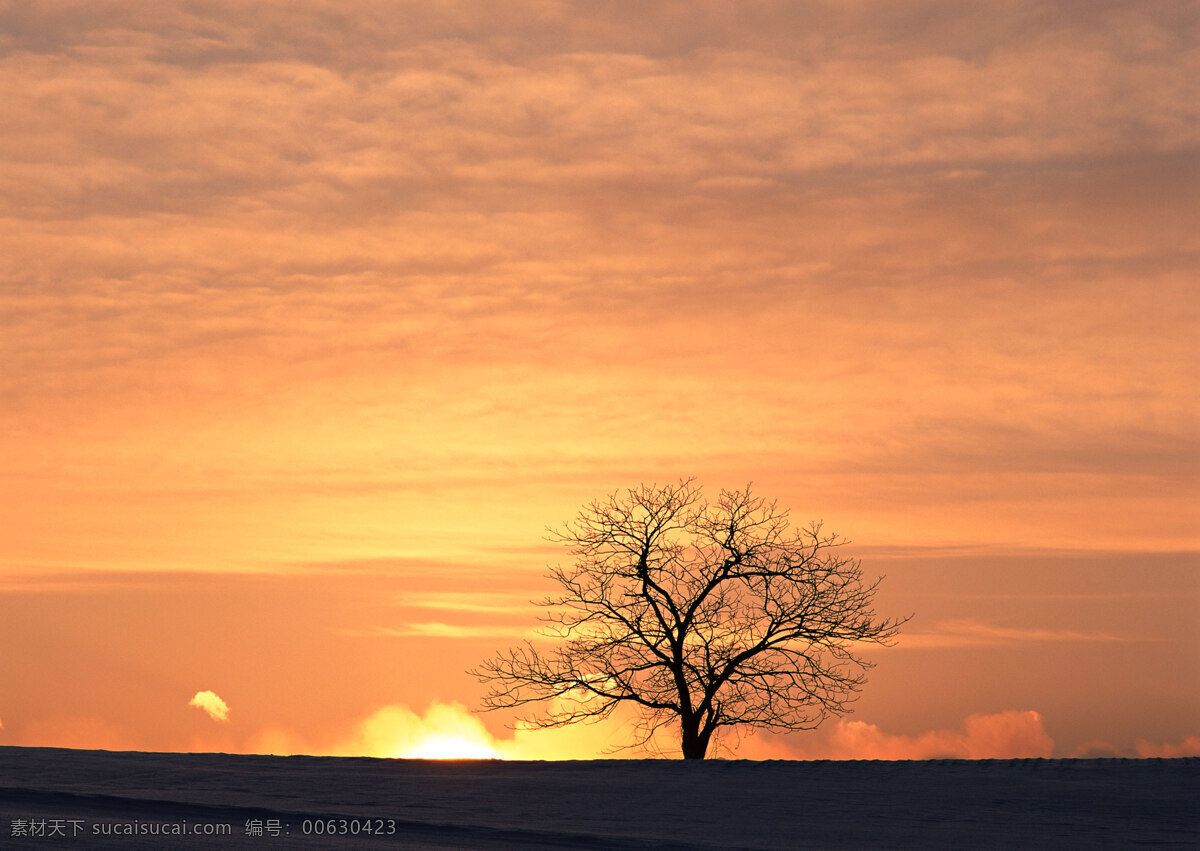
(91, 799)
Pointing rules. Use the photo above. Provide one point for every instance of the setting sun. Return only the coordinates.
(451, 747)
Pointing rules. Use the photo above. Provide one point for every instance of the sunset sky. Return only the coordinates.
(315, 315)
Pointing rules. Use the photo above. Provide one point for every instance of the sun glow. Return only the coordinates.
(451, 747)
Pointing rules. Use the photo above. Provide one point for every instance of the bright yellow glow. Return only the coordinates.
(451, 747)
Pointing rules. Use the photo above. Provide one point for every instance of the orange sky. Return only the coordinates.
(314, 315)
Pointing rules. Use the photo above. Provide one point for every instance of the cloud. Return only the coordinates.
(454, 193)
(216, 708)
(1190, 746)
(1097, 749)
(446, 630)
(605, 739)
(1003, 735)
(465, 601)
(398, 731)
(972, 633)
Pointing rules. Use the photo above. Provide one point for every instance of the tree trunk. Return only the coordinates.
(694, 744)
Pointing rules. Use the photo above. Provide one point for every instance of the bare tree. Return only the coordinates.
(710, 616)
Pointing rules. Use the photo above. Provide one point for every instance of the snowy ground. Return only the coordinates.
(602, 804)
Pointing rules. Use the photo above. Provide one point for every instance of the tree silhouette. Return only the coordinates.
(712, 616)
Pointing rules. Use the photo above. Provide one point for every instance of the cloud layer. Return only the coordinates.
(940, 252)
(398, 731)
(1001, 735)
(450, 730)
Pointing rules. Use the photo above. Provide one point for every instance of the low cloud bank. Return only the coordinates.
(397, 731)
(1002, 735)
(450, 730)
(446, 729)
(1190, 746)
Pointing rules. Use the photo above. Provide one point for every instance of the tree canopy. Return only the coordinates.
(711, 616)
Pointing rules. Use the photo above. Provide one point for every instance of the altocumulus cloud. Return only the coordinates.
(216, 708)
